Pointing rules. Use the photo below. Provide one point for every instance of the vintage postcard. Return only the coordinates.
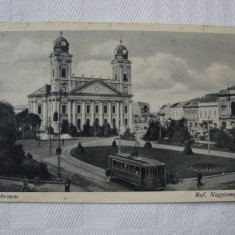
(117, 113)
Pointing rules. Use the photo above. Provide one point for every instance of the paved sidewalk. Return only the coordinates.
(209, 183)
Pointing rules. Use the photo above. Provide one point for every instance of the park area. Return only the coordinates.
(185, 165)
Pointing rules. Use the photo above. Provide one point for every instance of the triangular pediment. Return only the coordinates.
(97, 88)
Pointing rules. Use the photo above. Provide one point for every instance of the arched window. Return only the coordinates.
(88, 121)
(97, 121)
(126, 121)
(105, 121)
(79, 124)
(63, 71)
(233, 108)
(114, 122)
(125, 76)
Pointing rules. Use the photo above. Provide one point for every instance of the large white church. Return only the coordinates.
(87, 99)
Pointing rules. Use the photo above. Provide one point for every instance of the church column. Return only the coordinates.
(44, 106)
(110, 114)
(92, 113)
(101, 113)
(118, 115)
(121, 114)
(69, 111)
(130, 115)
(74, 113)
(34, 107)
(83, 114)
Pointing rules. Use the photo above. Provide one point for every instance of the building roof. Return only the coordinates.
(181, 104)
(193, 103)
(173, 105)
(45, 90)
(209, 98)
(93, 81)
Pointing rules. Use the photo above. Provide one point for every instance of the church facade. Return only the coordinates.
(83, 100)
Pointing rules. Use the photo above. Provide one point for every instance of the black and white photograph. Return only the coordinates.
(117, 111)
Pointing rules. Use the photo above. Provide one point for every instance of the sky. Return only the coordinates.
(167, 67)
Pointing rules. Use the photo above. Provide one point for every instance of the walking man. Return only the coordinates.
(199, 177)
(67, 185)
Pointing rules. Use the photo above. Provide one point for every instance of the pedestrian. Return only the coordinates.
(25, 185)
(199, 178)
(67, 185)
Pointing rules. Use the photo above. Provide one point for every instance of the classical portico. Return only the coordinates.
(87, 100)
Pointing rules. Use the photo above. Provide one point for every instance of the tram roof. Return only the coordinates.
(139, 160)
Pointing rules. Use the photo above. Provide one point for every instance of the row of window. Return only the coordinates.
(97, 121)
(88, 109)
(64, 109)
(148, 172)
(207, 114)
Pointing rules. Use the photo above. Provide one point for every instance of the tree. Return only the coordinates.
(7, 127)
(86, 129)
(96, 128)
(107, 129)
(50, 130)
(153, 131)
(55, 116)
(20, 118)
(114, 130)
(72, 130)
(128, 135)
(177, 131)
(64, 126)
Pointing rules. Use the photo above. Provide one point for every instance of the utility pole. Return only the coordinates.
(119, 144)
(49, 136)
(58, 150)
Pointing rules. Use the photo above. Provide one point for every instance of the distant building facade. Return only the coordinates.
(87, 99)
(140, 111)
(208, 110)
(20, 108)
(191, 115)
(226, 105)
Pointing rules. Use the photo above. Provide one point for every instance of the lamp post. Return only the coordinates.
(207, 125)
(38, 135)
(62, 90)
(136, 130)
(49, 136)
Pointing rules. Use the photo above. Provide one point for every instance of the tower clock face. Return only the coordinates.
(124, 51)
(63, 43)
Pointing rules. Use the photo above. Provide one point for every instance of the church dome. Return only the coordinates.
(61, 44)
(121, 52)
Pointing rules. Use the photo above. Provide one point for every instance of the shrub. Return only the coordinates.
(128, 135)
(114, 144)
(79, 149)
(29, 156)
(147, 145)
(187, 150)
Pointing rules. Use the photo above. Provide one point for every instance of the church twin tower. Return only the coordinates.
(87, 99)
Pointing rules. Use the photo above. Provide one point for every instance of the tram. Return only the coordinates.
(144, 173)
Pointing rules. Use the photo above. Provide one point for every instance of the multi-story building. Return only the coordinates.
(208, 109)
(191, 114)
(87, 99)
(177, 112)
(226, 103)
(162, 113)
(140, 111)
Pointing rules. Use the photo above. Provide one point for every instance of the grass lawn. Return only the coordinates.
(175, 160)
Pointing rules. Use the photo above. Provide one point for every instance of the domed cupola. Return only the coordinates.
(121, 52)
(61, 44)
